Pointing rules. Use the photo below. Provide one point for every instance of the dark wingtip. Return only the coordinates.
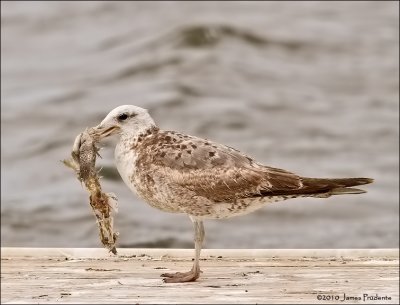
(346, 190)
(365, 180)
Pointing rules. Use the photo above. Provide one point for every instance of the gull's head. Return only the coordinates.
(125, 120)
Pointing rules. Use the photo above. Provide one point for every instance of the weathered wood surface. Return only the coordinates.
(56, 275)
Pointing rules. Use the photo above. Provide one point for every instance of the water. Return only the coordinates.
(311, 87)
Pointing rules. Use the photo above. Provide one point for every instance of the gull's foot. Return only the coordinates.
(181, 277)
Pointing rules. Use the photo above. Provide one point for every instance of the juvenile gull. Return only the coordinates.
(179, 173)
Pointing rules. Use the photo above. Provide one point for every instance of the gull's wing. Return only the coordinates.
(210, 170)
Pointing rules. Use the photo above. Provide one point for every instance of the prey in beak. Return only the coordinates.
(102, 132)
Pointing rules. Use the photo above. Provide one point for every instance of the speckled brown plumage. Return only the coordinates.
(179, 173)
(210, 174)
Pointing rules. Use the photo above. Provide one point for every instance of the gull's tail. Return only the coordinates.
(336, 186)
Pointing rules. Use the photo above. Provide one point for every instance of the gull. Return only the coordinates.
(180, 173)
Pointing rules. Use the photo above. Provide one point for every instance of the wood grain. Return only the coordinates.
(82, 275)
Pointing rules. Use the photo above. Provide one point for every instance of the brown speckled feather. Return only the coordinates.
(210, 170)
(179, 173)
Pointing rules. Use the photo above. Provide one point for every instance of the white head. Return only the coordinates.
(126, 120)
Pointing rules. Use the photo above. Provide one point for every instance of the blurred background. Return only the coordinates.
(312, 87)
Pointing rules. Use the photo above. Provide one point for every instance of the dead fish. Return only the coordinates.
(83, 161)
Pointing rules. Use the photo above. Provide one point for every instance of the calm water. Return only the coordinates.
(310, 87)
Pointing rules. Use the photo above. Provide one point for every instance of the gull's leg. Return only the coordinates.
(194, 273)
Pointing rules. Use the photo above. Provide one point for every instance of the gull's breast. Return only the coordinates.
(148, 184)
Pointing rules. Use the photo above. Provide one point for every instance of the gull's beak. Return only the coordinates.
(103, 131)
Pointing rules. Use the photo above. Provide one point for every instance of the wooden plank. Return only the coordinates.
(86, 275)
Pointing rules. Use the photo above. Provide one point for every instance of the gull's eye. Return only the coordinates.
(122, 117)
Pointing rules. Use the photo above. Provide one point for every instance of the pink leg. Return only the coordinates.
(194, 273)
